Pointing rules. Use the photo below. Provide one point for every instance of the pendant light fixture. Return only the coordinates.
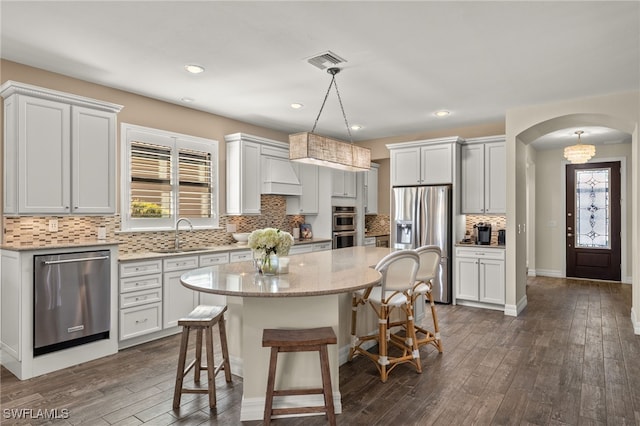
(310, 148)
(579, 153)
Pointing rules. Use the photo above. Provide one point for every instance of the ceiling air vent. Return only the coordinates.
(325, 60)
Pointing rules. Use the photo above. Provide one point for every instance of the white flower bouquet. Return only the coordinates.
(270, 241)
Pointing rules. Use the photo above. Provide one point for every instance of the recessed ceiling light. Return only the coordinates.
(441, 113)
(194, 69)
(187, 100)
(356, 127)
(296, 105)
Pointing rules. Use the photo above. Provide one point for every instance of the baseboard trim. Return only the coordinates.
(635, 320)
(549, 273)
(514, 310)
(531, 272)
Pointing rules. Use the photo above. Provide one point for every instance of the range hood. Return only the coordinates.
(279, 177)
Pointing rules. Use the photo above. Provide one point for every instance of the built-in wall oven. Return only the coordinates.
(344, 227)
(72, 294)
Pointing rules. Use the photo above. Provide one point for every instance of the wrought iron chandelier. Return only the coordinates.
(579, 153)
(310, 148)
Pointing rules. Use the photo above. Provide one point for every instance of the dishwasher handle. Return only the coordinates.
(77, 259)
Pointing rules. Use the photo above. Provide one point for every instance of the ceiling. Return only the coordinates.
(404, 60)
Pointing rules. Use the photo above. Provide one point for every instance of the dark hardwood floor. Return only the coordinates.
(570, 358)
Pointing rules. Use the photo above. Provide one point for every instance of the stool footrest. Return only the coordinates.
(298, 410)
(286, 392)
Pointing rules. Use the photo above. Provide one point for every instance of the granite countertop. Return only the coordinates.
(461, 244)
(312, 274)
(204, 250)
(26, 246)
(142, 254)
(376, 234)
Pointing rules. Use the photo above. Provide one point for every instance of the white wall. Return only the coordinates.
(550, 208)
(619, 111)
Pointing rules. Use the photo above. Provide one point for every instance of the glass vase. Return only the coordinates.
(270, 264)
(266, 264)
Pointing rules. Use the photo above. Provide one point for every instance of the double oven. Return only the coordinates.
(344, 227)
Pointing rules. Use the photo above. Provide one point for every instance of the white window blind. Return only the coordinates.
(167, 176)
(194, 180)
(151, 189)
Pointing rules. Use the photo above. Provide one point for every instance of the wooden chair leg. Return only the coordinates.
(411, 334)
(326, 385)
(354, 328)
(198, 365)
(271, 381)
(436, 328)
(225, 350)
(211, 375)
(177, 393)
(383, 360)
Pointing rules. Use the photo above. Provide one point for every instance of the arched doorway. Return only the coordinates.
(523, 125)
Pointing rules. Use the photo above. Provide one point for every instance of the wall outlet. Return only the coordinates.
(102, 233)
(53, 225)
(231, 227)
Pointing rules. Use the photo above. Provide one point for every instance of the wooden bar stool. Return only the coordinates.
(202, 319)
(301, 340)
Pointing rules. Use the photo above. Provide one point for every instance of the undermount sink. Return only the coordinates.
(177, 250)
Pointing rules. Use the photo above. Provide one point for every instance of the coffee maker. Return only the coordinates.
(483, 233)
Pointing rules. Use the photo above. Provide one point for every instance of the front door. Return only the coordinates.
(593, 220)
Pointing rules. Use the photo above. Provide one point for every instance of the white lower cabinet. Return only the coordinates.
(211, 260)
(322, 246)
(140, 298)
(178, 300)
(240, 256)
(140, 320)
(480, 275)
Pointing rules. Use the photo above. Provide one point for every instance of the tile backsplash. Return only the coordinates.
(497, 222)
(35, 229)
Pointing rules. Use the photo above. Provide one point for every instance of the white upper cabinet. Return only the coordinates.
(343, 183)
(484, 176)
(243, 177)
(429, 162)
(59, 152)
(371, 190)
(307, 202)
(93, 161)
(256, 166)
(405, 166)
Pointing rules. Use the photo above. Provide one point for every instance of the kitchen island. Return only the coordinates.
(308, 296)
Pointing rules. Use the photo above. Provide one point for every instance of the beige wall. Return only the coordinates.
(523, 125)
(144, 111)
(550, 206)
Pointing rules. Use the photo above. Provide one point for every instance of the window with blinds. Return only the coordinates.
(168, 176)
(151, 189)
(194, 183)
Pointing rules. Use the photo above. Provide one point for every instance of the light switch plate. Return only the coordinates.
(53, 225)
(231, 227)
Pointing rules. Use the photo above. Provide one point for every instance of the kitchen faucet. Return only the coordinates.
(177, 240)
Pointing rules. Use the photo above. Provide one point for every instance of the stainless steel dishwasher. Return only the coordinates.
(72, 295)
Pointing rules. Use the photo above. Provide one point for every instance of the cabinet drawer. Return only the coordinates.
(303, 248)
(179, 263)
(140, 320)
(143, 282)
(131, 269)
(136, 298)
(240, 256)
(214, 259)
(481, 253)
(322, 246)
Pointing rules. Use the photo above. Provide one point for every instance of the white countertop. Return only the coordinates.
(310, 274)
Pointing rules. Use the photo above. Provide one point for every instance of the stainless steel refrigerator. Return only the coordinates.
(422, 216)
